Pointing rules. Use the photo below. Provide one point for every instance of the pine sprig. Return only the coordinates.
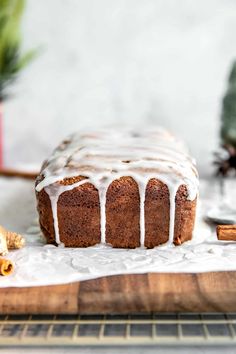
(225, 158)
(228, 116)
(12, 61)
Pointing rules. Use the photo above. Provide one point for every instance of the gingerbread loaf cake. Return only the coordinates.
(123, 187)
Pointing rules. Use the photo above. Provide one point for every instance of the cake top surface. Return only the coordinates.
(108, 154)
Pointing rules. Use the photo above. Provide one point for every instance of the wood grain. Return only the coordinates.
(203, 292)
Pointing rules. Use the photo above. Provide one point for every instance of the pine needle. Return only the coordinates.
(12, 61)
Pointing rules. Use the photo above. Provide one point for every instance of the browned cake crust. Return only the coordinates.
(79, 214)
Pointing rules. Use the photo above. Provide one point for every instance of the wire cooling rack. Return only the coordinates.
(114, 330)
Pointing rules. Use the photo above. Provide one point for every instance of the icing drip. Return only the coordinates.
(102, 199)
(54, 200)
(142, 192)
(54, 194)
(172, 192)
(107, 155)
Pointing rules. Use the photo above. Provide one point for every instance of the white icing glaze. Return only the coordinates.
(172, 192)
(107, 155)
(54, 193)
(102, 199)
(39, 264)
(142, 191)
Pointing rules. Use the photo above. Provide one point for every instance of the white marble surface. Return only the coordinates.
(129, 60)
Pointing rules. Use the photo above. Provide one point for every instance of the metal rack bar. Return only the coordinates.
(76, 329)
(230, 326)
(132, 329)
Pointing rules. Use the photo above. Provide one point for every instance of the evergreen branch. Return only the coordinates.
(228, 115)
(11, 59)
(25, 59)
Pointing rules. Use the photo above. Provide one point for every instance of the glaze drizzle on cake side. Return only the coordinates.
(100, 159)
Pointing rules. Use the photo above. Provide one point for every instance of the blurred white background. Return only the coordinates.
(135, 61)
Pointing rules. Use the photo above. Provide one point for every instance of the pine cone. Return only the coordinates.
(226, 160)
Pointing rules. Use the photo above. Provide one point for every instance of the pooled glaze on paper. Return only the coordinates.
(106, 155)
(41, 264)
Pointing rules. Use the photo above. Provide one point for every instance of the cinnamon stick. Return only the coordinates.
(10, 239)
(9, 172)
(6, 266)
(226, 232)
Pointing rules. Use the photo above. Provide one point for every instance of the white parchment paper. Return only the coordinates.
(41, 264)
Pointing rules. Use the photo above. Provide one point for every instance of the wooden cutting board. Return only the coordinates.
(203, 292)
